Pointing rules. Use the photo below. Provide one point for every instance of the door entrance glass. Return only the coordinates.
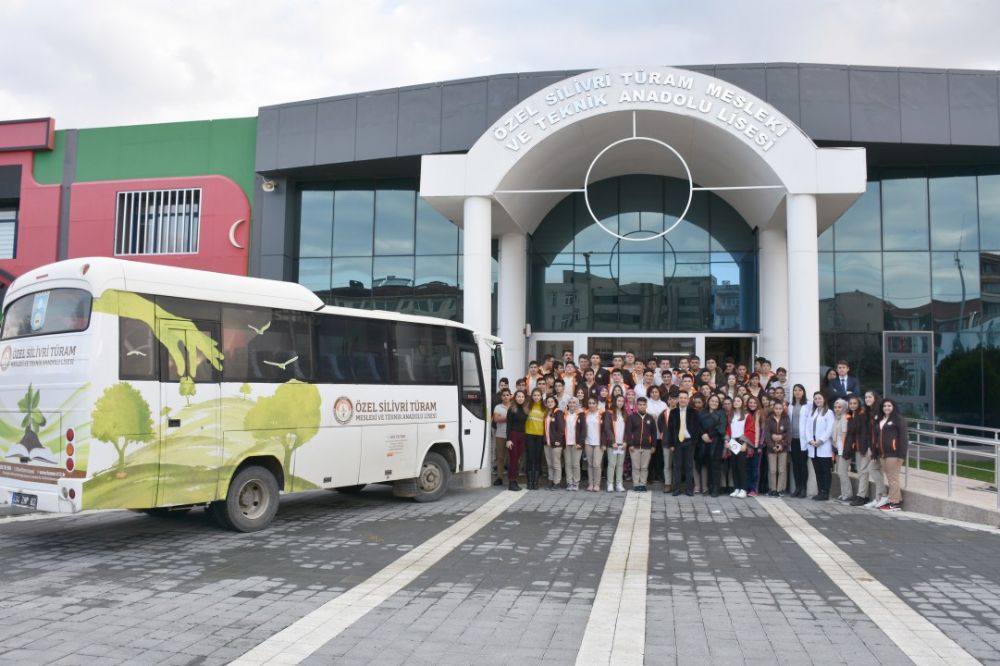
(909, 376)
(643, 348)
(554, 347)
(741, 350)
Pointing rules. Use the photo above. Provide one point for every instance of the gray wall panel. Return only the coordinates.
(923, 99)
(825, 102)
(973, 105)
(529, 84)
(276, 267)
(267, 139)
(783, 89)
(501, 97)
(336, 123)
(463, 114)
(875, 105)
(297, 136)
(752, 78)
(419, 129)
(378, 115)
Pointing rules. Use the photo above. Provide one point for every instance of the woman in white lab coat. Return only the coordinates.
(816, 437)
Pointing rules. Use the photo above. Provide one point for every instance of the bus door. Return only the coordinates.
(190, 392)
(472, 394)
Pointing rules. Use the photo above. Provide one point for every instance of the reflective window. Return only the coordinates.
(701, 276)
(904, 214)
(316, 223)
(860, 228)
(989, 212)
(954, 218)
(907, 284)
(394, 221)
(353, 217)
(436, 234)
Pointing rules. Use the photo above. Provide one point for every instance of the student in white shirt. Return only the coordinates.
(594, 441)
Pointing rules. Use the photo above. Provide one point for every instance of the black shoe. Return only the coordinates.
(689, 493)
(498, 482)
(676, 493)
(513, 486)
(822, 497)
(859, 501)
(715, 493)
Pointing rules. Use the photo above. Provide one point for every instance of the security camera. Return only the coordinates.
(268, 185)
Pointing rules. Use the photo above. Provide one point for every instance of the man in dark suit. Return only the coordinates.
(683, 432)
(844, 385)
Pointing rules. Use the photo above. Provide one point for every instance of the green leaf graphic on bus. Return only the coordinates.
(33, 419)
(121, 418)
(289, 418)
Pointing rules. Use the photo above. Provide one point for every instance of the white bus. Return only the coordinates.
(137, 386)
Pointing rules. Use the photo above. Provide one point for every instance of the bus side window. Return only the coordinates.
(137, 350)
(422, 354)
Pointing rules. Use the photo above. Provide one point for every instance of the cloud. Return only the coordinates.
(108, 62)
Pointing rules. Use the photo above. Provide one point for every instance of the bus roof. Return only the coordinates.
(100, 274)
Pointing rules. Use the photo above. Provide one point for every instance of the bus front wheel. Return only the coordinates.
(435, 474)
(252, 500)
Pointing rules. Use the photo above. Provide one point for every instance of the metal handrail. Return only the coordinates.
(944, 436)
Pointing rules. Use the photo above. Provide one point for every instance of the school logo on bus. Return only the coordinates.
(343, 410)
(5, 358)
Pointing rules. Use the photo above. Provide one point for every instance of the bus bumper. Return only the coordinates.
(65, 496)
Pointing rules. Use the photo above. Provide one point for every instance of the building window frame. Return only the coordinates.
(171, 223)
(10, 217)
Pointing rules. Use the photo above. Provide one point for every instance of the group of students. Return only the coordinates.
(717, 429)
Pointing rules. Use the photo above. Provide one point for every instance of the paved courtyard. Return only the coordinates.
(491, 577)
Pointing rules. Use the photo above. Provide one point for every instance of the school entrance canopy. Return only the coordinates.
(662, 121)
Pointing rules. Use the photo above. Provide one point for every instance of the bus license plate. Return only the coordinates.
(27, 501)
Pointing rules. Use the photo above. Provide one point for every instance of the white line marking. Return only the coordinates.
(303, 637)
(620, 603)
(914, 634)
(24, 518)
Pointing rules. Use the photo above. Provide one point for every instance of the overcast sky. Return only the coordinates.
(113, 62)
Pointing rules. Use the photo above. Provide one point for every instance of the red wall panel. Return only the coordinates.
(38, 219)
(223, 204)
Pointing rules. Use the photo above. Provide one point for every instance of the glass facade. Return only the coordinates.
(375, 244)
(701, 276)
(920, 251)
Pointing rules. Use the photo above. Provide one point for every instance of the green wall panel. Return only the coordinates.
(49, 163)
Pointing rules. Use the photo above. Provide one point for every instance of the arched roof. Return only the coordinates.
(727, 137)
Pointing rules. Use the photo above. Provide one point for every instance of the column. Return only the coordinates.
(512, 305)
(773, 300)
(477, 282)
(477, 303)
(803, 294)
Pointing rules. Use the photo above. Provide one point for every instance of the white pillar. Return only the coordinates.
(773, 298)
(477, 283)
(477, 302)
(512, 305)
(803, 293)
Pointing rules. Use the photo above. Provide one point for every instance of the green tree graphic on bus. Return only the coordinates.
(289, 418)
(33, 419)
(121, 418)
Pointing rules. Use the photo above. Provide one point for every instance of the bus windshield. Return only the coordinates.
(47, 312)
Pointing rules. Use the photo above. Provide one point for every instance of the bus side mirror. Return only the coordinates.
(498, 357)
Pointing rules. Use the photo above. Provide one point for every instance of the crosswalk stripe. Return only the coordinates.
(914, 634)
(307, 635)
(620, 602)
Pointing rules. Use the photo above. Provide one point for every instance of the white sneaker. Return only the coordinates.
(735, 493)
(611, 488)
(882, 502)
(620, 488)
(871, 505)
(743, 494)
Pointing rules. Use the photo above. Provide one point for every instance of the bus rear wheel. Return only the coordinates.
(252, 500)
(435, 474)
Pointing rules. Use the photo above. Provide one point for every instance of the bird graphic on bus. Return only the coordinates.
(283, 366)
(261, 330)
(136, 352)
